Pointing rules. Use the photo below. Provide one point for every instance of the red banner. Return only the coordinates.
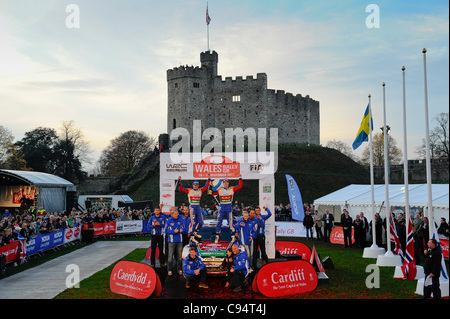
(133, 279)
(337, 235)
(11, 251)
(293, 248)
(286, 278)
(104, 228)
(444, 246)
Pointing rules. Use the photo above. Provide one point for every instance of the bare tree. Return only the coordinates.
(439, 139)
(343, 148)
(124, 152)
(6, 140)
(395, 154)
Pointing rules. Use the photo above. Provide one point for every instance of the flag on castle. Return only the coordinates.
(364, 129)
(208, 19)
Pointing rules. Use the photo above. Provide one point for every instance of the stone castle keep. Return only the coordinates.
(198, 93)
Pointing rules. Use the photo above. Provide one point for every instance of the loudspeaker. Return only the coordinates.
(71, 200)
(163, 141)
(87, 236)
(327, 263)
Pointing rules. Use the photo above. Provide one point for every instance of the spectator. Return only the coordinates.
(443, 228)
(318, 224)
(308, 223)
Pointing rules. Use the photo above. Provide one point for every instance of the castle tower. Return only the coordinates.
(199, 93)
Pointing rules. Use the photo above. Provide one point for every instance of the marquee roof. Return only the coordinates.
(357, 195)
(36, 178)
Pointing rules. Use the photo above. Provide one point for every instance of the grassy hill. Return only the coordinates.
(317, 170)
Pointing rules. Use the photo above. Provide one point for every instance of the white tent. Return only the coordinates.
(51, 190)
(358, 198)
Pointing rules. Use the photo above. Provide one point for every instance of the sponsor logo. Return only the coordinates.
(216, 166)
(286, 278)
(133, 279)
(337, 235)
(176, 167)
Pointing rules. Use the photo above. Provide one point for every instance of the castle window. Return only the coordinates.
(176, 85)
(196, 85)
(174, 123)
(236, 98)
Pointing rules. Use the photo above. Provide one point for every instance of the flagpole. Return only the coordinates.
(372, 251)
(389, 258)
(427, 143)
(207, 25)
(372, 179)
(405, 157)
(386, 173)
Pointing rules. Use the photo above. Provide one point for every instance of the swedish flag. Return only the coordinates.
(364, 131)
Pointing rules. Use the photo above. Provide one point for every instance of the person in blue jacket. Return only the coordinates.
(245, 231)
(174, 232)
(240, 269)
(156, 225)
(260, 237)
(194, 267)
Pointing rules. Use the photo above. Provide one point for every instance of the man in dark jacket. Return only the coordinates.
(347, 223)
(432, 269)
(308, 223)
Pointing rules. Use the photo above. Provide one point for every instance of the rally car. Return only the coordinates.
(211, 253)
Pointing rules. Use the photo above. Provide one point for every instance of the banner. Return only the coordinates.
(129, 226)
(444, 246)
(11, 251)
(72, 234)
(290, 229)
(293, 248)
(286, 278)
(337, 235)
(133, 279)
(104, 228)
(295, 198)
(45, 241)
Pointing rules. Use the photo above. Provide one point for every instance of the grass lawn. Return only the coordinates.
(346, 281)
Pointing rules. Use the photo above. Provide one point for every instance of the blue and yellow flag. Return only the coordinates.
(363, 132)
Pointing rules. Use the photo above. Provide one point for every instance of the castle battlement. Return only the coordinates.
(199, 93)
(184, 71)
(249, 78)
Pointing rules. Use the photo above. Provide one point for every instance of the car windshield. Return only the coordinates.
(208, 233)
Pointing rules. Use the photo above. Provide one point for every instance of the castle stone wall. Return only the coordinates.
(198, 93)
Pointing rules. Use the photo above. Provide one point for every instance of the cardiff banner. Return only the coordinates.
(337, 236)
(133, 279)
(286, 278)
(293, 248)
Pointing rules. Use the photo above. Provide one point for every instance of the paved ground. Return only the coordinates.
(49, 279)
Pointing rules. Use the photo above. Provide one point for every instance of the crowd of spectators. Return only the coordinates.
(31, 222)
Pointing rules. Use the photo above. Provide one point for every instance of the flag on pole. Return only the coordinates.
(295, 199)
(208, 19)
(22, 247)
(443, 268)
(364, 129)
(409, 268)
(394, 237)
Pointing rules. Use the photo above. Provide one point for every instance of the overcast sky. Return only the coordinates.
(109, 75)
